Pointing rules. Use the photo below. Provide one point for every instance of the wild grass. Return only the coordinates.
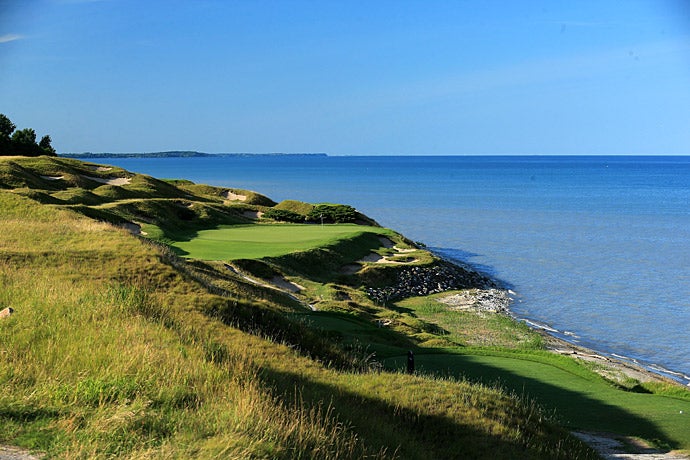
(470, 328)
(114, 352)
(94, 368)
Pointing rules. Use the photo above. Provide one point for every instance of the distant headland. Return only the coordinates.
(180, 154)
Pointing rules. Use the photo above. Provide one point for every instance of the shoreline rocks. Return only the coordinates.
(425, 280)
(490, 300)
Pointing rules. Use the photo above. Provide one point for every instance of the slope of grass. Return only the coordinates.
(117, 350)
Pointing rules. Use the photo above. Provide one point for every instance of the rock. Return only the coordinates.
(5, 313)
(426, 280)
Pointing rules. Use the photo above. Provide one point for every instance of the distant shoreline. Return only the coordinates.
(181, 154)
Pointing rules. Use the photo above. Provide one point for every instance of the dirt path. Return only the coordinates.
(15, 453)
(612, 447)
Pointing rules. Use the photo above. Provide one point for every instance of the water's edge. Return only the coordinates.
(562, 341)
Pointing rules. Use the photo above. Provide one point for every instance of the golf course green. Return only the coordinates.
(265, 240)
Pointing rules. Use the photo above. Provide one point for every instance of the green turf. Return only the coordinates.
(257, 241)
(580, 400)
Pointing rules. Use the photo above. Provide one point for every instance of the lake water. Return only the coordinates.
(597, 249)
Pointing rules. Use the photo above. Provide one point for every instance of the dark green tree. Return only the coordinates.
(6, 130)
(6, 126)
(332, 213)
(46, 146)
(22, 142)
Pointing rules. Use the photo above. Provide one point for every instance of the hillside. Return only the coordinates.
(125, 343)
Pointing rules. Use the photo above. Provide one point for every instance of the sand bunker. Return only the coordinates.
(286, 285)
(134, 229)
(253, 214)
(52, 177)
(119, 181)
(232, 196)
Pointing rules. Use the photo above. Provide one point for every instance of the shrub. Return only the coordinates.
(283, 215)
(332, 213)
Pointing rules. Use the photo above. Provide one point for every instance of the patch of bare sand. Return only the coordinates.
(134, 229)
(15, 453)
(614, 447)
(52, 177)
(253, 214)
(232, 196)
(286, 285)
(388, 244)
(379, 259)
(118, 181)
(372, 258)
(99, 168)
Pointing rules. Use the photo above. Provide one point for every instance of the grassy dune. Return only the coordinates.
(119, 348)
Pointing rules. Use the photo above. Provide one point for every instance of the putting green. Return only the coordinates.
(256, 241)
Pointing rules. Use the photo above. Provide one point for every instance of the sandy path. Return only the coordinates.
(612, 447)
(15, 453)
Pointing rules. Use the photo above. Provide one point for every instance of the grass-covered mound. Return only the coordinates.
(120, 348)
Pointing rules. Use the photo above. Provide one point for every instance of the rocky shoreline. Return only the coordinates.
(426, 280)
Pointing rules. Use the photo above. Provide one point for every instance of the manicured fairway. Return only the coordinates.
(580, 402)
(256, 241)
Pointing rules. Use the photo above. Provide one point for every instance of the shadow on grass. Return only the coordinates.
(353, 331)
(573, 409)
(389, 425)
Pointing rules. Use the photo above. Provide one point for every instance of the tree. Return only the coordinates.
(332, 213)
(6, 130)
(22, 142)
(6, 126)
(46, 146)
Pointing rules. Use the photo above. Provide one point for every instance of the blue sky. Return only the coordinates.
(350, 77)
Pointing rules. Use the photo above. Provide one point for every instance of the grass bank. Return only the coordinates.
(119, 348)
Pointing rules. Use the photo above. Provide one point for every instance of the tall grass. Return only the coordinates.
(93, 368)
(112, 352)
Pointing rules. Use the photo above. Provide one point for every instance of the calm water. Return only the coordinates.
(596, 248)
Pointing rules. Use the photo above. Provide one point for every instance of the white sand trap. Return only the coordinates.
(134, 229)
(379, 259)
(286, 285)
(52, 177)
(253, 214)
(99, 168)
(232, 196)
(119, 181)
(372, 257)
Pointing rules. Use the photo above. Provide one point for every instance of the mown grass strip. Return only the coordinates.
(257, 241)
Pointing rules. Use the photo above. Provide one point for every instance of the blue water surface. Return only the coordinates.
(595, 248)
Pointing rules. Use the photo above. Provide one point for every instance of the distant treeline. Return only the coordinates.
(179, 154)
(22, 142)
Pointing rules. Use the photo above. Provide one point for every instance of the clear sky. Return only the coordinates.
(370, 77)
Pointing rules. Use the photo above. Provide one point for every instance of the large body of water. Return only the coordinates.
(596, 248)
